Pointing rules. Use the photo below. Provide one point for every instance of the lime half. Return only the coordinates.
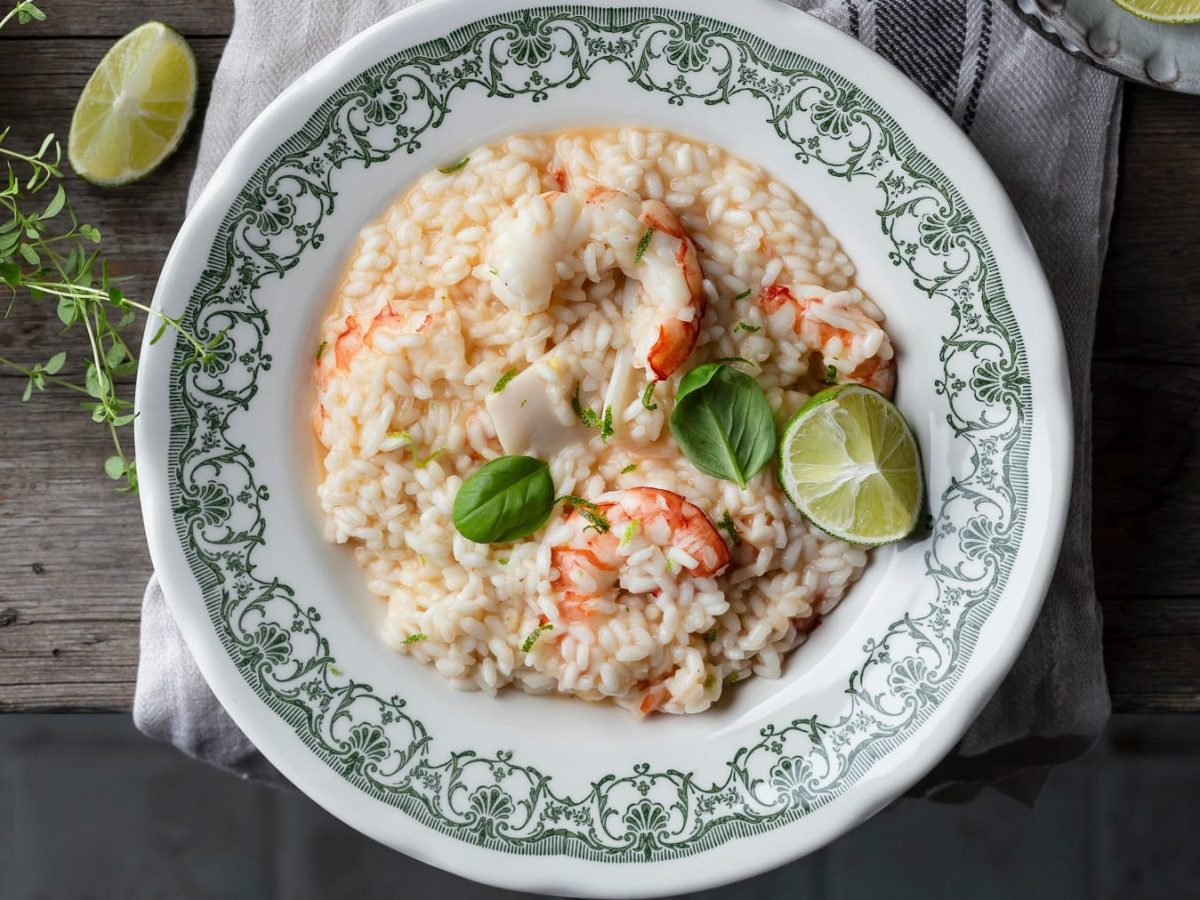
(1170, 12)
(135, 107)
(850, 463)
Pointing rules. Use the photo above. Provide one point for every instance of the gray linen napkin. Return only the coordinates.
(1046, 123)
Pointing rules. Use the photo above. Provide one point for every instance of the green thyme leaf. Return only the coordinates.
(648, 396)
(454, 167)
(743, 295)
(746, 326)
(589, 510)
(413, 638)
(632, 467)
(504, 380)
(321, 348)
(533, 636)
(584, 414)
(643, 245)
(418, 460)
(728, 524)
(114, 467)
(629, 532)
(606, 427)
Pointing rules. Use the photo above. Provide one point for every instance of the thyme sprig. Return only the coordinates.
(48, 254)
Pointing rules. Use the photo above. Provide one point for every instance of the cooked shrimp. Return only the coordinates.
(642, 238)
(589, 564)
(350, 342)
(353, 337)
(849, 341)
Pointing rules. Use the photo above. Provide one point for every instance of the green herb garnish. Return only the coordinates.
(747, 327)
(606, 426)
(503, 500)
(454, 167)
(643, 245)
(584, 414)
(733, 678)
(711, 681)
(420, 461)
(632, 467)
(629, 532)
(588, 510)
(25, 12)
(47, 254)
(744, 294)
(723, 423)
(830, 375)
(503, 560)
(533, 636)
(727, 523)
(648, 396)
(504, 380)
(321, 348)
(413, 638)
(711, 636)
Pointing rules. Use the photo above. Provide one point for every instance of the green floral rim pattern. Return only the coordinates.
(493, 800)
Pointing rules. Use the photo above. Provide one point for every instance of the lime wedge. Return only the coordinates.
(135, 107)
(850, 463)
(1169, 12)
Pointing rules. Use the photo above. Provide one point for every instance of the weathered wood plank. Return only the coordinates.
(1148, 306)
(87, 18)
(1146, 371)
(1151, 648)
(1145, 377)
(74, 562)
(1146, 479)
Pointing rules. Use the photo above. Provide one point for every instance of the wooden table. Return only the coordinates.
(74, 561)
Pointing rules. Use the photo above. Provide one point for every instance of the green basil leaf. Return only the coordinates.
(723, 423)
(505, 499)
(696, 379)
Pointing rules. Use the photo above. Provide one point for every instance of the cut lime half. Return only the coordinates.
(135, 108)
(850, 463)
(1169, 12)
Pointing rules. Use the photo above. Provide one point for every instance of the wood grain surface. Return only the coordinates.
(74, 563)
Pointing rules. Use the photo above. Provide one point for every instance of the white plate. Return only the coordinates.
(534, 792)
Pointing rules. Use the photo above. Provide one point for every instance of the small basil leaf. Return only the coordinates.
(696, 379)
(505, 499)
(723, 423)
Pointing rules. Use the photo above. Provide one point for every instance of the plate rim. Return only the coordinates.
(1062, 24)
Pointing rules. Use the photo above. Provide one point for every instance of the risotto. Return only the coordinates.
(542, 301)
